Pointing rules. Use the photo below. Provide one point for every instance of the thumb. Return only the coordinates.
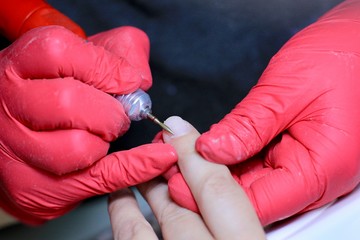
(283, 94)
(250, 126)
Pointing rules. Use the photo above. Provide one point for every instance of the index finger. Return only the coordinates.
(131, 44)
(60, 53)
(223, 204)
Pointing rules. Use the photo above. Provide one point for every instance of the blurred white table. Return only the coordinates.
(337, 220)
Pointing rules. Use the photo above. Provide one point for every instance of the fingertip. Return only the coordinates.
(180, 193)
(222, 149)
(204, 146)
(179, 127)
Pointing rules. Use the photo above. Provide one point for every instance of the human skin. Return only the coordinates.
(225, 210)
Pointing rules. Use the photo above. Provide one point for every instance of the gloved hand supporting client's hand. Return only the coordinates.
(293, 142)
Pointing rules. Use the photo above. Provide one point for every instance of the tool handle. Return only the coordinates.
(137, 104)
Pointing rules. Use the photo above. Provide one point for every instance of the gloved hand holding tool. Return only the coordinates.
(293, 142)
(58, 113)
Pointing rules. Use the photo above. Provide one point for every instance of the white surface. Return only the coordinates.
(338, 220)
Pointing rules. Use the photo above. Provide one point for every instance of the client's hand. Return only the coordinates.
(226, 212)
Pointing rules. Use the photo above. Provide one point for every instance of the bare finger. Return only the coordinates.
(223, 204)
(175, 222)
(126, 218)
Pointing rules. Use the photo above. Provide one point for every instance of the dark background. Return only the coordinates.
(205, 57)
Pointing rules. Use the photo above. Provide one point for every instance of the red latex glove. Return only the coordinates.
(19, 16)
(57, 121)
(293, 142)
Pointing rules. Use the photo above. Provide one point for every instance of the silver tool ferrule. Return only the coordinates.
(137, 105)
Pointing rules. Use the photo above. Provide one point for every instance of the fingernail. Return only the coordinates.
(178, 126)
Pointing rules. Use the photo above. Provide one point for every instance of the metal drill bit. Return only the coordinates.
(157, 121)
(137, 106)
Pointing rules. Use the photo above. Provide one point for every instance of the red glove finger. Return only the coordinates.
(181, 193)
(174, 169)
(131, 44)
(69, 105)
(41, 196)
(59, 152)
(60, 53)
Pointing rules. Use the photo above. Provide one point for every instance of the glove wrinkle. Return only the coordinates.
(58, 120)
(293, 141)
